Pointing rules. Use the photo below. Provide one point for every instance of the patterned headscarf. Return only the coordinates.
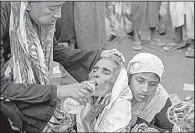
(31, 48)
(146, 62)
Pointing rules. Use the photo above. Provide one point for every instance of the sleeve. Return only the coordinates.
(77, 62)
(161, 119)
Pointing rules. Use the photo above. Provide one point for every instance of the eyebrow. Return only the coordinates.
(154, 82)
(95, 67)
(140, 77)
(107, 69)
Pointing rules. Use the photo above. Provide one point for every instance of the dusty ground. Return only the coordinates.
(179, 69)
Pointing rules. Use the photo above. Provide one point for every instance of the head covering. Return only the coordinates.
(117, 114)
(31, 47)
(113, 54)
(146, 62)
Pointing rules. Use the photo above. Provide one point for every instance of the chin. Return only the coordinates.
(140, 100)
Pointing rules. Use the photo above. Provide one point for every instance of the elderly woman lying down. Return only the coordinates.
(109, 108)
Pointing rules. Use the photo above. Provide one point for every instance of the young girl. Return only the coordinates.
(150, 100)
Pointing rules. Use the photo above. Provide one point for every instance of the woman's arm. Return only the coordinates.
(77, 62)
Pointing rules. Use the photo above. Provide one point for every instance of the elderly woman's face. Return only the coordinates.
(45, 13)
(143, 85)
(103, 73)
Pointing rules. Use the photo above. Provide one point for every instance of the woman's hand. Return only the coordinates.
(108, 53)
(78, 91)
(97, 108)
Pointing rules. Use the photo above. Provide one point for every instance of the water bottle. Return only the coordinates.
(71, 105)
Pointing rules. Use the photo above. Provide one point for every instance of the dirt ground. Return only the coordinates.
(178, 68)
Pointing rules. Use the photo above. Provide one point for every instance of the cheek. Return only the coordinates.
(45, 19)
(134, 86)
(151, 91)
(44, 16)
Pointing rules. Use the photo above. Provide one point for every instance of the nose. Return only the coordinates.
(58, 13)
(145, 88)
(96, 75)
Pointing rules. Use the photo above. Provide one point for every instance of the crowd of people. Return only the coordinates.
(50, 51)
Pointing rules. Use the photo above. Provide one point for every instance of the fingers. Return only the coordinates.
(98, 100)
(106, 99)
(115, 51)
(135, 128)
(78, 98)
(84, 91)
(89, 88)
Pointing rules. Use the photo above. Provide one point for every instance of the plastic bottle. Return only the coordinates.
(72, 106)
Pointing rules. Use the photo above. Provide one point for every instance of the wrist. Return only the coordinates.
(62, 92)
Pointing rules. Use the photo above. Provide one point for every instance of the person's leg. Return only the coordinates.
(177, 18)
(153, 16)
(136, 41)
(152, 33)
(139, 21)
(190, 28)
(178, 35)
(190, 50)
(154, 40)
(178, 43)
(162, 27)
(163, 16)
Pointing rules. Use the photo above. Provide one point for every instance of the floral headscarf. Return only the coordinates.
(31, 48)
(147, 62)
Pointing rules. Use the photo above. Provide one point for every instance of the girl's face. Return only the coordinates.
(143, 85)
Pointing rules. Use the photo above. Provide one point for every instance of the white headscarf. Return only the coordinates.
(147, 62)
(117, 114)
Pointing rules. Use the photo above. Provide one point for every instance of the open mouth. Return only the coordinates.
(96, 84)
(142, 96)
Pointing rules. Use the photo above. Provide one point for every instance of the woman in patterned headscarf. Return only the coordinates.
(150, 100)
(32, 26)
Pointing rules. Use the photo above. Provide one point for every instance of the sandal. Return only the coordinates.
(173, 46)
(156, 42)
(190, 52)
(137, 46)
